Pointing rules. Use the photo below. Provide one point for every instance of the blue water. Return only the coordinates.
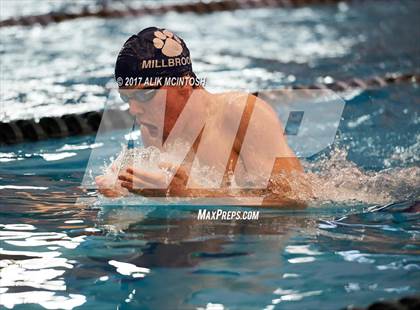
(356, 243)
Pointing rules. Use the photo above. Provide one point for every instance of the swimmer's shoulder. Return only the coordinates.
(235, 103)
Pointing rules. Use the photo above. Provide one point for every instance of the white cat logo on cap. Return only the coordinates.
(168, 43)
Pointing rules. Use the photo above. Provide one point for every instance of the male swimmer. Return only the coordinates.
(215, 124)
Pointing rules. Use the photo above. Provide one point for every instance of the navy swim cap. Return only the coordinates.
(153, 52)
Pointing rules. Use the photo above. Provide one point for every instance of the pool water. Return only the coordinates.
(356, 243)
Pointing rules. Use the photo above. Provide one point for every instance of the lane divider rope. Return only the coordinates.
(194, 7)
(19, 131)
(410, 302)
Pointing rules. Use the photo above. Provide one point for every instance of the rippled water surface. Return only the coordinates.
(356, 243)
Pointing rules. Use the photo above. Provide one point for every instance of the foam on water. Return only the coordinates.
(334, 178)
(330, 178)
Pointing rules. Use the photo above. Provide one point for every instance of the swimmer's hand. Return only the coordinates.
(146, 183)
(109, 186)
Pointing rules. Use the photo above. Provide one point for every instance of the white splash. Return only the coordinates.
(339, 180)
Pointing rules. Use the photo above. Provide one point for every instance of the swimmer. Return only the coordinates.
(157, 54)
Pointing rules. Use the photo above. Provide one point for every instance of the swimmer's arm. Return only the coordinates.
(265, 138)
(140, 182)
(264, 135)
(144, 183)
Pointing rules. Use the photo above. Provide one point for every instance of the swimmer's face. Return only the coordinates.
(156, 109)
